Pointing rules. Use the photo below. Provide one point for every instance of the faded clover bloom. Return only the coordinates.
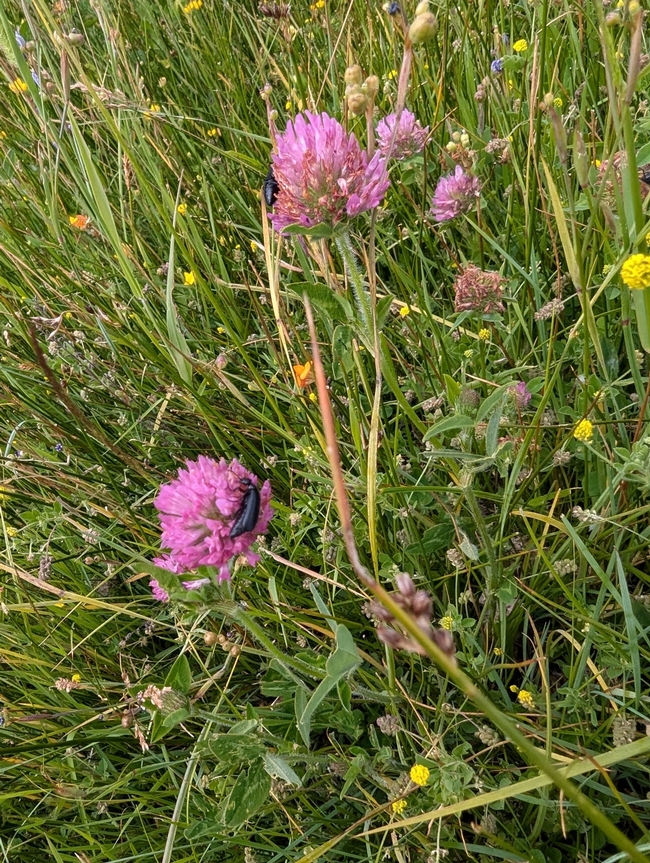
(323, 175)
(454, 194)
(410, 137)
(478, 291)
(197, 512)
(522, 395)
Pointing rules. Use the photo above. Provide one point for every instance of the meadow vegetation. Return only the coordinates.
(483, 372)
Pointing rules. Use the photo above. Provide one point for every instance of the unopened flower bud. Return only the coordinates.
(266, 91)
(455, 136)
(235, 650)
(633, 8)
(548, 100)
(127, 720)
(210, 638)
(464, 139)
(353, 75)
(371, 86)
(357, 103)
(613, 19)
(74, 37)
(422, 8)
(451, 147)
(423, 28)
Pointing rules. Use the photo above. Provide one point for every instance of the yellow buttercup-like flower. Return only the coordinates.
(419, 774)
(520, 45)
(404, 311)
(189, 278)
(18, 86)
(635, 272)
(182, 208)
(584, 431)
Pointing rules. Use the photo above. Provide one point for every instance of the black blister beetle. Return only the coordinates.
(270, 188)
(248, 512)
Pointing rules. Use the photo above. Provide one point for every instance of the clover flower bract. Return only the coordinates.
(455, 194)
(410, 137)
(197, 512)
(323, 175)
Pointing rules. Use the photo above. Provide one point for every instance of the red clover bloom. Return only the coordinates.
(410, 137)
(323, 175)
(455, 194)
(197, 512)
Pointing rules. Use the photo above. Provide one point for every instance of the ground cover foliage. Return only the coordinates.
(151, 315)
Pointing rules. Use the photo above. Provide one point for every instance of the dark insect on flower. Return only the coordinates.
(249, 511)
(275, 10)
(270, 188)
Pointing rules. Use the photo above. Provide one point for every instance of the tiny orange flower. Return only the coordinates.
(304, 374)
(79, 221)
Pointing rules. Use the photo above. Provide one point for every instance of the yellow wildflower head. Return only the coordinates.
(468, 354)
(513, 688)
(189, 278)
(404, 311)
(18, 86)
(484, 334)
(213, 133)
(398, 806)
(635, 272)
(313, 397)
(182, 208)
(525, 699)
(192, 6)
(584, 431)
(520, 45)
(80, 222)
(76, 678)
(498, 651)
(419, 774)
(392, 74)
(447, 622)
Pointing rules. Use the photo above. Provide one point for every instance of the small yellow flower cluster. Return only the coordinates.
(319, 4)
(192, 6)
(557, 102)
(182, 208)
(498, 651)
(635, 272)
(404, 311)
(189, 278)
(398, 806)
(18, 86)
(419, 774)
(484, 334)
(584, 431)
(213, 133)
(525, 699)
(520, 46)
(154, 108)
(447, 622)
(392, 74)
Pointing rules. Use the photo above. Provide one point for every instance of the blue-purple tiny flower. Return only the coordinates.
(497, 66)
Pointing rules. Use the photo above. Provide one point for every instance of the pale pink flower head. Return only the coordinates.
(478, 291)
(521, 394)
(410, 137)
(158, 592)
(198, 510)
(323, 175)
(455, 194)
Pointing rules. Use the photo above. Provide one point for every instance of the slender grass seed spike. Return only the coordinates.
(246, 518)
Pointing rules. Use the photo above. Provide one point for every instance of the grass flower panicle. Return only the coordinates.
(409, 139)
(198, 509)
(455, 194)
(635, 272)
(323, 175)
(419, 774)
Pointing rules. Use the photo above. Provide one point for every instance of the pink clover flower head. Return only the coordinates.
(522, 395)
(158, 592)
(323, 175)
(454, 194)
(410, 137)
(478, 291)
(198, 510)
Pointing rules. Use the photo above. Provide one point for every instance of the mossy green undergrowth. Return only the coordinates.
(149, 315)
